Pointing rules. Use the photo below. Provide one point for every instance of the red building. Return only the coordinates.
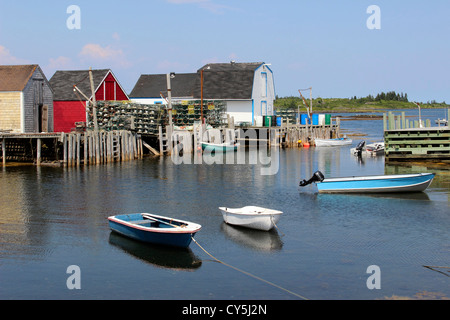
(69, 106)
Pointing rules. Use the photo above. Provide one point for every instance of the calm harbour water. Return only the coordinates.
(52, 218)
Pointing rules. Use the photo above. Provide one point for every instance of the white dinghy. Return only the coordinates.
(251, 217)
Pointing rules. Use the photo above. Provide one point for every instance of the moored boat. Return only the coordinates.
(153, 228)
(219, 147)
(337, 142)
(415, 182)
(373, 149)
(251, 217)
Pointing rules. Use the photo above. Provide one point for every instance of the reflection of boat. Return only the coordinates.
(251, 217)
(219, 147)
(415, 182)
(373, 149)
(160, 256)
(337, 142)
(154, 229)
(254, 239)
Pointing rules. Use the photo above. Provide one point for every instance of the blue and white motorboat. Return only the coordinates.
(415, 182)
(155, 229)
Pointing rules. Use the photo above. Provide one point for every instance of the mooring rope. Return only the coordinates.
(248, 273)
(271, 217)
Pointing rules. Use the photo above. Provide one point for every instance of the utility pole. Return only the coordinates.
(94, 102)
(169, 109)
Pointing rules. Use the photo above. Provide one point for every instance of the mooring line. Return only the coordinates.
(271, 217)
(248, 273)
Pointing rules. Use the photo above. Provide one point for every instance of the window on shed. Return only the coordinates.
(264, 84)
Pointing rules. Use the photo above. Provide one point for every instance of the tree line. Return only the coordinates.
(388, 96)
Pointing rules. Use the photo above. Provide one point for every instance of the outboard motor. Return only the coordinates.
(317, 177)
(359, 148)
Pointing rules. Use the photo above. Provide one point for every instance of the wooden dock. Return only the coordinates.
(412, 141)
(71, 149)
(285, 136)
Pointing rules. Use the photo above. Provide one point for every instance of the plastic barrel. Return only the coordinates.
(267, 121)
(327, 119)
(315, 119)
(321, 119)
(304, 119)
(259, 121)
(279, 121)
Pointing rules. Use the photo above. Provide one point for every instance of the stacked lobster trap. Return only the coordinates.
(146, 118)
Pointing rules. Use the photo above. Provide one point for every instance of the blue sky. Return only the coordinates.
(322, 43)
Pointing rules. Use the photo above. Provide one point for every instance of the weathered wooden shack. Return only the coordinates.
(70, 105)
(26, 100)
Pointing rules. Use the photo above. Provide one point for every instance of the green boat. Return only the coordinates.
(219, 147)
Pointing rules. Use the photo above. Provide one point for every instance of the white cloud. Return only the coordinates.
(7, 58)
(96, 53)
(60, 63)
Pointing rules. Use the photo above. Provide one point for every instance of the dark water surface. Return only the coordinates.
(52, 218)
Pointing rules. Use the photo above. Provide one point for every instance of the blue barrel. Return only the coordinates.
(304, 119)
(315, 119)
(279, 121)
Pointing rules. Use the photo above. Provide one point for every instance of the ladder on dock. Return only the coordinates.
(115, 147)
(163, 141)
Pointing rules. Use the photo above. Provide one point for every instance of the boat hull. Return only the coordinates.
(251, 217)
(210, 147)
(377, 184)
(373, 150)
(136, 227)
(332, 142)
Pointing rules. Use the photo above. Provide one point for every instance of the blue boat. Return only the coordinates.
(415, 182)
(155, 229)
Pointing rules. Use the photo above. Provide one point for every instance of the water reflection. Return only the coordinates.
(253, 239)
(181, 259)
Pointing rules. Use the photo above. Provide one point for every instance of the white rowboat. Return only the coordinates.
(251, 217)
(333, 142)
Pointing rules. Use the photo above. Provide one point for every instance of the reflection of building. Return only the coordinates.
(26, 100)
(247, 88)
(70, 105)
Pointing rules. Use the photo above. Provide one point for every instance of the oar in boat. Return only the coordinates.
(161, 221)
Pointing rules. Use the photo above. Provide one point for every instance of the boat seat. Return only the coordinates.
(139, 221)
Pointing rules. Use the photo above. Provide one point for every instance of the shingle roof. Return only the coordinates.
(227, 80)
(220, 81)
(150, 85)
(15, 78)
(62, 83)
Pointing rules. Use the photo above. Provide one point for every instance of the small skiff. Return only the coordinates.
(219, 147)
(333, 142)
(373, 149)
(155, 229)
(415, 182)
(251, 217)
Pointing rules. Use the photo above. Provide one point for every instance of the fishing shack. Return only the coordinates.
(26, 100)
(72, 91)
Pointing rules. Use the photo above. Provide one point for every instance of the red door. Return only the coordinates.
(110, 90)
